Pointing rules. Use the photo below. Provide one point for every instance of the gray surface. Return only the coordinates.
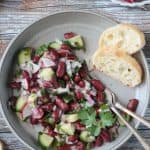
(10, 25)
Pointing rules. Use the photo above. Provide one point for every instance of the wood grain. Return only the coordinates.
(15, 15)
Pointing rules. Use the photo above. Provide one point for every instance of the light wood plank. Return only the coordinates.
(17, 14)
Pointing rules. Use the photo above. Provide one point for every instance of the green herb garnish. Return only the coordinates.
(88, 118)
(107, 117)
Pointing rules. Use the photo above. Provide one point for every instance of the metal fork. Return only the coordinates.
(114, 104)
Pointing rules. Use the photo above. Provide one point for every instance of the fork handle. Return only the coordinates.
(133, 130)
(119, 106)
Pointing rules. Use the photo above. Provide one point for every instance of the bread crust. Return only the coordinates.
(118, 55)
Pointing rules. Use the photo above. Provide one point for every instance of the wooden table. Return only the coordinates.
(18, 14)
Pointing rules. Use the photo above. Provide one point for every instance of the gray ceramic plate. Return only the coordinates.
(54, 26)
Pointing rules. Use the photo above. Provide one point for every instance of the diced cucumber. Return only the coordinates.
(67, 128)
(31, 99)
(86, 136)
(49, 120)
(55, 45)
(45, 140)
(40, 51)
(21, 102)
(46, 74)
(76, 42)
(71, 117)
(24, 55)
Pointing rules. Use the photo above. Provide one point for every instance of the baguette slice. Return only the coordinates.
(118, 65)
(127, 37)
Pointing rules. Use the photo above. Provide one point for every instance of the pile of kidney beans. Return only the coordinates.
(59, 104)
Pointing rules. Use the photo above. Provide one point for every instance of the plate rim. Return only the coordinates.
(99, 14)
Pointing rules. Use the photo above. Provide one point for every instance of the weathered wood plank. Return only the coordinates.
(17, 14)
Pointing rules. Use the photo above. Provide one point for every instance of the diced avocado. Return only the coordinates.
(86, 136)
(67, 128)
(46, 74)
(21, 102)
(76, 42)
(45, 140)
(71, 117)
(31, 99)
(55, 45)
(24, 55)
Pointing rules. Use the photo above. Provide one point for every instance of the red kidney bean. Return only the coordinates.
(74, 106)
(83, 71)
(80, 146)
(52, 54)
(99, 141)
(66, 77)
(71, 57)
(77, 78)
(81, 84)
(61, 104)
(63, 52)
(69, 35)
(34, 89)
(64, 147)
(34, 76)
(44, 124)
(56, 115)
(100, 97)
(51, 131)
(132, 104)
(106, 136)
(36, 59)
(47, 84)
(33, 121)
(98, 85)
(47, 107)
(15, 85)
(72, 138)
(54, 82)
(79, 126)
(65, 46)
(78, 95)
(61, 69)
(25, 75)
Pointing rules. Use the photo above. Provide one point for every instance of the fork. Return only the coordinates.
(114, 105)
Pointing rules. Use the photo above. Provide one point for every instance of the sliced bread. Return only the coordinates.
(118, 65)
(126, 37)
